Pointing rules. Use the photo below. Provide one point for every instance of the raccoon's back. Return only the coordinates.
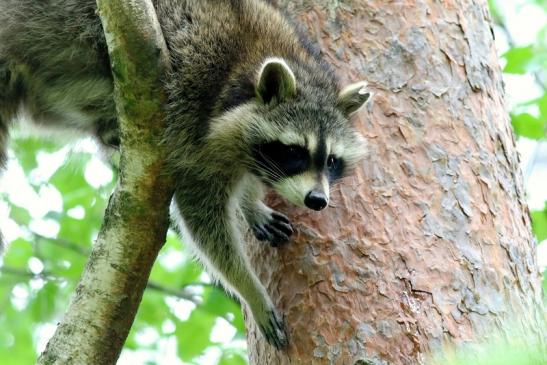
(55, 36)
(217, 48)
(55, 57)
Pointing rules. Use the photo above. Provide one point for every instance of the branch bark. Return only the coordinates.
(430, 240)
(100, 315)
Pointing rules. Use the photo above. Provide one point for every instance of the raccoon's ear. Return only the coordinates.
(353, 97)
(276, 81)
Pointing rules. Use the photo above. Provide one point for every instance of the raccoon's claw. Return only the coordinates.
(276, 229)
(273, 331)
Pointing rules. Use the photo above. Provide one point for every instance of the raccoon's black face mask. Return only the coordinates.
(301, 175)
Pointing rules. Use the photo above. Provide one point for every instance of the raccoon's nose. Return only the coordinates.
(316, 200)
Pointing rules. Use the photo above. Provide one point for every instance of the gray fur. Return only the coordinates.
(54, 64)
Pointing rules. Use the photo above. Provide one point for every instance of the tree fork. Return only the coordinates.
(430, 240)
(108, 295)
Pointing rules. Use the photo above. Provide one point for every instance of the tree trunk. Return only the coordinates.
(430, 239)
(102, 311)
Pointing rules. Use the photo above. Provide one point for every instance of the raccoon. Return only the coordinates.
(251, 105)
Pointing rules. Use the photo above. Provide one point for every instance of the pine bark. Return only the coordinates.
(430, 240)
(102, 311)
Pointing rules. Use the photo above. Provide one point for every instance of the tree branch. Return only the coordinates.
(98, 320)
(16, 271)
(71, 246)
(181, 293)
(48, 276)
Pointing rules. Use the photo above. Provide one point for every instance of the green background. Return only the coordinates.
(182, 313)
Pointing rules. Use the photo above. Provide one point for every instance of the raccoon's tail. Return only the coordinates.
(11, 94)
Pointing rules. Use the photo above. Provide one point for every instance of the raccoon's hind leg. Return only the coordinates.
(265, 223)
(208, 215)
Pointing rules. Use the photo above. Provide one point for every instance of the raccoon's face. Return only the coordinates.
(305, 147)
(303, 169)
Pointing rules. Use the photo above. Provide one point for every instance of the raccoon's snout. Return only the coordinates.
(316, 200)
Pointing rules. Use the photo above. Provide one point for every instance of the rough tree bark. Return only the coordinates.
(430, 240)
(100, 315)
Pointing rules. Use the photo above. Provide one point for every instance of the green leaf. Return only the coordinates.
(20, 215)
(518, 60)
(77, 231)
(60, 260)
(216, 302)
(187, 274)
(70, 182)
(494, 10)
(545, 286)
(43, 305)
(25, 149)
(232, 358)
(542, 3)
(193, 334)
(152, 313)
(19, 328)
(539, 223)
(542, 104)
(21, 351)
(153, 310)
(190, 273)
(527, 125)
(18, 253)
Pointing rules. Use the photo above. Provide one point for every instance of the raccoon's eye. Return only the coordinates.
(332, 161)
(335, 166)
(280, 160)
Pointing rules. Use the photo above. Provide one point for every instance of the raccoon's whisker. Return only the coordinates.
(266, 159)
(269, 174)
(275, 173)
(293, 188)
(253, 165)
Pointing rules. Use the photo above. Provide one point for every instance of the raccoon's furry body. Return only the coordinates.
(247, 97)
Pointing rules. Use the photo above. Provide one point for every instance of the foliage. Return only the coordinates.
(526, 59)
(539, 223)
(182, 315)
(512, 351)
(42, 266)
(529, 118)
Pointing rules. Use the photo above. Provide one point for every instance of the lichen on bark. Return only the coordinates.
(101, 313)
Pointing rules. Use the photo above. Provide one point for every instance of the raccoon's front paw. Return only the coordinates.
(276, 229)
(273, 329)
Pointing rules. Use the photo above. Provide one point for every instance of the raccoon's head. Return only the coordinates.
(303, 143)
